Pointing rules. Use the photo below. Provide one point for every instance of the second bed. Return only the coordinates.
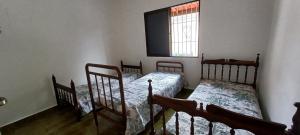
(130, 101)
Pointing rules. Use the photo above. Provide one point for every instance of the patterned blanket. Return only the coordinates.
(235, 97)
(165, 84)
(136, 93)
(83, 94)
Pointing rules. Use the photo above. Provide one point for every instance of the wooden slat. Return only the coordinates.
(103, 86)
(222, 72)
(246, 73)
(229, 75)
(111, 97)
(192, 125)
(177, 123)
(237, 73)
(208, 74)
(215, 74)
(210, 126)
(97, 86)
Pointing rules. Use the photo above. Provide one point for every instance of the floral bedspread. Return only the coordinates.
(136, 93)
(235, 97)
(83, 95)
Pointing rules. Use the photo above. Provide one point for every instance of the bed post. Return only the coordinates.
(202, 58)
(141, 66)
(77, 109)
(55, 90)
(150, 102)
(295, 130)
(256, 68)
(122, 66)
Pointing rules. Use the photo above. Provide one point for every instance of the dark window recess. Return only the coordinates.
(157, 32)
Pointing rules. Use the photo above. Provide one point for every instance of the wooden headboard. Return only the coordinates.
(230, 63)
(132, 68)
(169, 66)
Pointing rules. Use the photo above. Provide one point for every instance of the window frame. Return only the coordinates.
(170, 34)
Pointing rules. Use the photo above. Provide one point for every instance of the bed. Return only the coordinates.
(205, 121)
(129, 102)
(78, 97)
(234, 97)
(237, 96)
(233, 93)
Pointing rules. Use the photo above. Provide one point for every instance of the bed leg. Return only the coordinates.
(79, 115)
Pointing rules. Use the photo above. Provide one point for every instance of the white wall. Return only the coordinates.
(280, 76)
(41, 37)
(228, 28)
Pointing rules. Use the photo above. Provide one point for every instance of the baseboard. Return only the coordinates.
(28, 116)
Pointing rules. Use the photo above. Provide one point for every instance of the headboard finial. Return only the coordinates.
(122, 66)
(150, 88)
(72, 83)
(257, 59)
(141, 67)
(53, 78)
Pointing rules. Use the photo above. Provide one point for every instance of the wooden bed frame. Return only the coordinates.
(164, 66)
(66, 95)
(214, 113)
(230, 63)
(98, 106)
(169, 66)
(132, 68)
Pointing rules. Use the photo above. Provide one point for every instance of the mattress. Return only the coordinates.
(234, 97)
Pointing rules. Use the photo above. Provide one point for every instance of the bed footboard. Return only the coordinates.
(97, 73)
(66, 96)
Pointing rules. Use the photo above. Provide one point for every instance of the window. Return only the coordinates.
(173, 31)
(184, 29)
